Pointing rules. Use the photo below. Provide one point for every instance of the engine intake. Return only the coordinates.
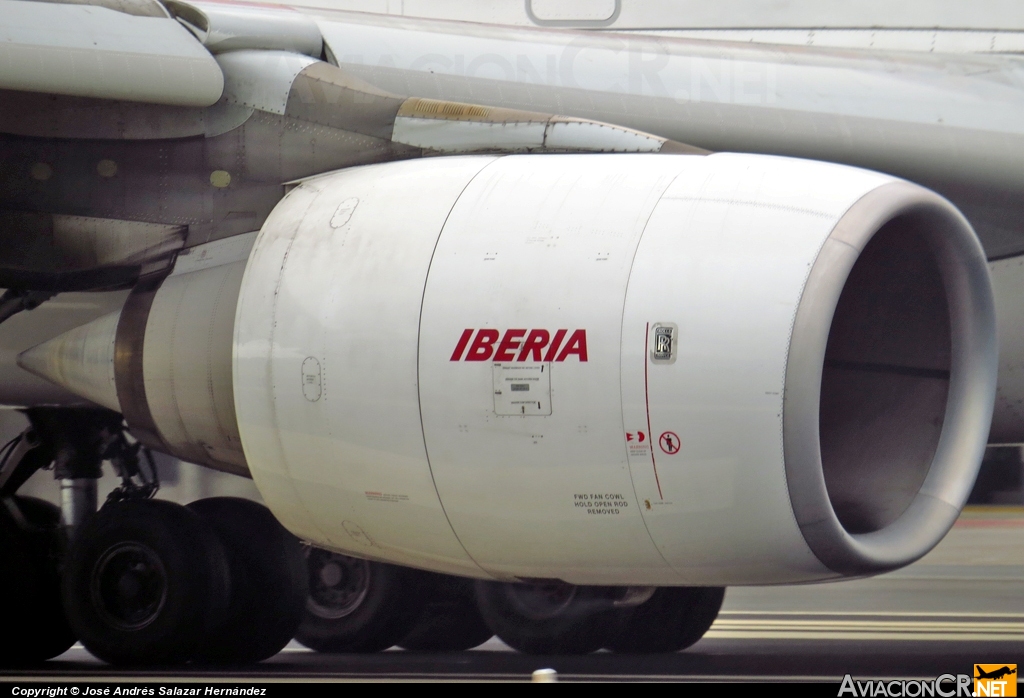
(890, 381)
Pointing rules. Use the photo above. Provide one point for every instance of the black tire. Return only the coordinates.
(146, 581)
(546, 618)
(268, 581)
(450, 621)
(357, 605)
(30, 554)
(670, 621)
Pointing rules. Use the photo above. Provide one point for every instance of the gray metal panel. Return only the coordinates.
(323, 94)
(261, 79)
(43, 115)
(139, 8)
(187, 364)
(1008, 417)
(54, 244)
(698, 14)
(823, 13)
(128, 364)
(221, 27)
(96, 52)
(925, 40)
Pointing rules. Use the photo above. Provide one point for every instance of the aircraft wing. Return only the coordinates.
(948, 121)
(136, 53)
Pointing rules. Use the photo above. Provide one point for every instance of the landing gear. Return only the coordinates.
(34, 535)
(548, 617)
(671, 620)
(268, 581)
(30, 543)
(553, 617)
(151, 582)
(450, 620)
(33, 539)
(145, 582)
(357, 605)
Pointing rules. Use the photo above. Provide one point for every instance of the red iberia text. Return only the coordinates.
(520, 345)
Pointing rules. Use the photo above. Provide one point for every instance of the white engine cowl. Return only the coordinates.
(616, 369)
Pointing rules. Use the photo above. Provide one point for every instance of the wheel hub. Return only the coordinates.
(129, 586)
(338, 584)
(331, 574)
(543, 601)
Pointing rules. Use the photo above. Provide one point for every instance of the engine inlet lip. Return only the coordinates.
(964, 273)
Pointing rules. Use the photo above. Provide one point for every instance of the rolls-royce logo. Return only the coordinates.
(663, 340)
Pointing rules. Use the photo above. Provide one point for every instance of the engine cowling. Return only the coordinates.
(616, 369)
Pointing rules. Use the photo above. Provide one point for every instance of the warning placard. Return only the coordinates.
(669, 443)
(600, 503)
(522, 389)
(638, 444)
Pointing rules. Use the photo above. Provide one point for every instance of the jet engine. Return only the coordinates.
(607, 369)
(617, 369)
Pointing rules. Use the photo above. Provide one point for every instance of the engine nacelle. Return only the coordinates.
(616, 369)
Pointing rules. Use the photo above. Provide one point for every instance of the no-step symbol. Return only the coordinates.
(669, 442)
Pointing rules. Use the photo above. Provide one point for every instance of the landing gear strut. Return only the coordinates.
(34, 534)
(76, 442)
(142, 581)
